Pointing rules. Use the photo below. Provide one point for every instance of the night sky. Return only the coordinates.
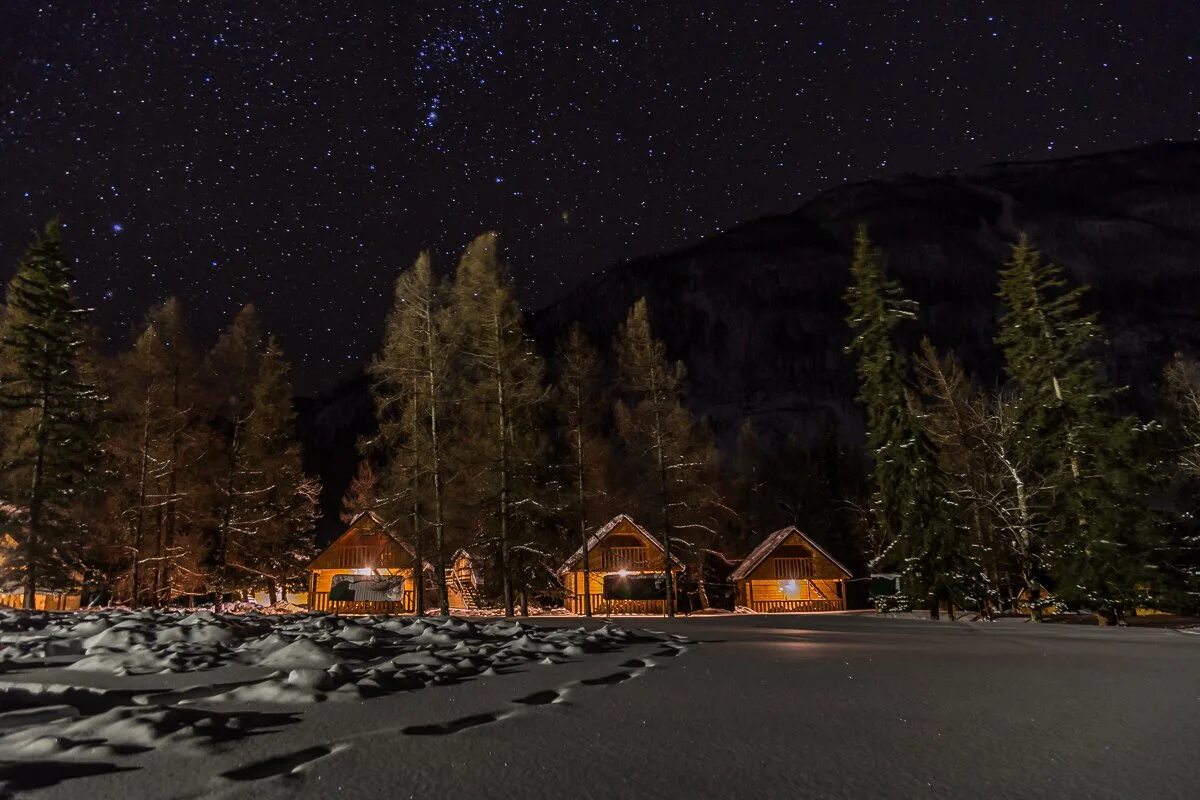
(297, 154)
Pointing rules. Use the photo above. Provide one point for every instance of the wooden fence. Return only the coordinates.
(608, 605)
(321, 602)
(769, 606)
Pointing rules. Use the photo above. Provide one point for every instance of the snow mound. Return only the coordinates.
(302, 653)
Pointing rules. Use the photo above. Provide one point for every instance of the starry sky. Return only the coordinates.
(296, 155)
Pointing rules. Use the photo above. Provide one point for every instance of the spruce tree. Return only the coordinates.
(502, 388)
(908, 505)
(1100, 537)
(50, 412)
(666, 449)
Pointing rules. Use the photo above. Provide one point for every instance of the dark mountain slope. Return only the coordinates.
(756, 313)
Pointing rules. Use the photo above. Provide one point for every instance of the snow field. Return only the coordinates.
(107, 693)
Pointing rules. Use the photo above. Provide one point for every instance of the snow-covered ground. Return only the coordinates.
(181, 700)
(169, 706)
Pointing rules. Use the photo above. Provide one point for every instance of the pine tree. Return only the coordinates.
(665, 446)
(502, 387)
(1101, 536)
(412, 387)
(50, 451)
(908, 505)
(579, 398)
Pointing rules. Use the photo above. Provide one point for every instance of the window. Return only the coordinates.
(367, 588)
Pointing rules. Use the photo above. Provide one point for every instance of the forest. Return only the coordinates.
(166, 474)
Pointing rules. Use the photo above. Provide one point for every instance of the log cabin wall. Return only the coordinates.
(365, 550)
(794, 577)
(625, 549)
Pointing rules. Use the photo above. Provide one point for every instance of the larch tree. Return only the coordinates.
(664, 445)
(233, 370)
(950, 413)
(503, 393)
(276, 541)
(182, 449)
(412, 379)
(580, 400)
(148, 436)
(1101, 537)
(50, 450)
(1183, 392)
(135, 420)
(362, 494)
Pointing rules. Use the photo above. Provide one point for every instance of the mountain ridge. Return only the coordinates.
(756, 314)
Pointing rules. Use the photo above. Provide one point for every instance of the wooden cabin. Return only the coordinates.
(366, 570)
(13, 595)
(464, 580)
(791, 572)
(626, 571)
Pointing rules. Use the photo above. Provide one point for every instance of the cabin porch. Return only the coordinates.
(362, 591)
(619, 592)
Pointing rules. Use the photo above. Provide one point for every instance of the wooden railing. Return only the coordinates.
(793, 568)
(321, 602)
(616, 558)
(603, 606)
(360, 556)
(796, 605)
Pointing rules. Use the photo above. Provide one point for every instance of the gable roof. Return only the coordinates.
(768, 546)
(384, 528)
(603, 533)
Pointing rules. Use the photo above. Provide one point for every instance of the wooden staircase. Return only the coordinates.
(463, 582)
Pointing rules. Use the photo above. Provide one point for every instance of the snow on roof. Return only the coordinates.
(768, 546)
(601, 534)
(383, 527)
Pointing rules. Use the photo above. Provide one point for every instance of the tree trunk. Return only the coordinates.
(666, 514)
(702, 589)
(935, 606)
(272, 592)
(172, 488)
(418, 564)
(505, 469)
(36, 500)
(439, 538)
(583, 528)
(222, 549)
(140, 520)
